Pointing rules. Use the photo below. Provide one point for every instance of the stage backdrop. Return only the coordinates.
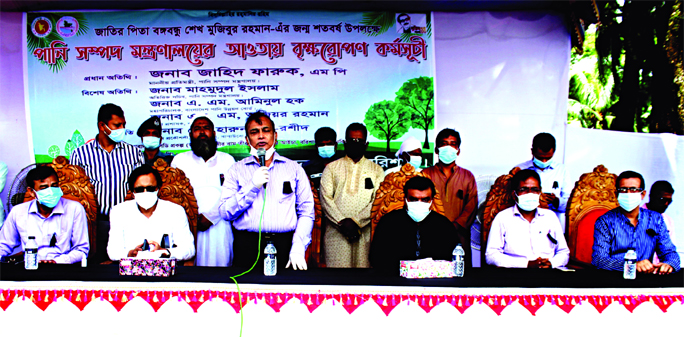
(306, 69)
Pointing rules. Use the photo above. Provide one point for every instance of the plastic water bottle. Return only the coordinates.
(629, 272)
(31, 254)
(459, 260)
(270, 261)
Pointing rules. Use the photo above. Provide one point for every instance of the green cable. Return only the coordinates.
(261, 218)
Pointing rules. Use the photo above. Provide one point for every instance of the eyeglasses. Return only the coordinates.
(525, 190)
(141, 189)
(664, 200)
(356, 140)
(629, 189)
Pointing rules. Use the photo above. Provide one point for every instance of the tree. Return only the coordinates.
(387, 120)
(418, 94)
(633, 44)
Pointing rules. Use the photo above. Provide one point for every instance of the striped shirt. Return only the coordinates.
(289, 200)
(108, 171)
(614, 235)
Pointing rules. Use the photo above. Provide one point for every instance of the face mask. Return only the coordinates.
(269, 152)
(540, 164)
(354, 149)
(418, 210)
(447, 154)
(116, 135)
(528, 202)
(146, 199)
(415, 161)
(151, 142)
(629, 201)
(326, 151)
(50, 196)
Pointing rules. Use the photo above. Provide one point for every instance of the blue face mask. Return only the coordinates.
(151, 142)
(116, 135)
(415, 161)
(447, 154)
(50, 196)
(541, 164)
(326, 151)
(629, 201)
(528, 202)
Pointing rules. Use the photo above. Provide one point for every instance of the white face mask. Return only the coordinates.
(415, 161)
(629, 201)
(146, 199)
(447, 154)
(418, 210)
(528, 202)
(269, 152)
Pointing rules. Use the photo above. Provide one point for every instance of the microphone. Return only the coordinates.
(261, 153)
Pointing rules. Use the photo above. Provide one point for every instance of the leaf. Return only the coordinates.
(53, 151)
(77, 139)
(69, 147)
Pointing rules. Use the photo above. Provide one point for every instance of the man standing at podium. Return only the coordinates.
(269, 193)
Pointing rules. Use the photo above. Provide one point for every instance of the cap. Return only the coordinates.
(151, 123)
(409, 144)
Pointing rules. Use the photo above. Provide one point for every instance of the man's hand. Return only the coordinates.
(134, 252)
(645, 266)
(662, 269)
(53, 261)
(260, 177)
(203, 223)
(350, 229)
(549, 199)
(297, 262)
(539, 263)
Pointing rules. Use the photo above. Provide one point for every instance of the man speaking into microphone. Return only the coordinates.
(271, 191)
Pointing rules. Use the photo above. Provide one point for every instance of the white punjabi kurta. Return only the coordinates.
(348, 191)
(215, 245)
(129, 228)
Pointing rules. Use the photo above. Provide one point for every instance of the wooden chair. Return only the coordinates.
(390, 194)
(499, 197)
(592, 196)
(76, 185)
(314, 256)
(177, 189)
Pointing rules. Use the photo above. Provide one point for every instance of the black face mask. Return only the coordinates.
(354, 149)
(204, 148)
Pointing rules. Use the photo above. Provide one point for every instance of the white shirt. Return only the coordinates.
(513, 241)
(552, 181)
(398, 168)
(129, 228)
(215, 245)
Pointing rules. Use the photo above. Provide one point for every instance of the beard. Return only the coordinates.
(204, 148)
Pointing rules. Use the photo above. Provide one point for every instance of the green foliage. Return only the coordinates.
(69, 148)
(77, 139)
(53, 151)
(417, 94)
(33, 42)
(387, 120)
(387, 20)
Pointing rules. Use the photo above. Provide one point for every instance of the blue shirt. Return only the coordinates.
(614, 235)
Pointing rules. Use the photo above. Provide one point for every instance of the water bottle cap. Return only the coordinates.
(32, 237)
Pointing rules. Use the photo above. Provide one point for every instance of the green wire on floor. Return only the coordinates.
(261, 218)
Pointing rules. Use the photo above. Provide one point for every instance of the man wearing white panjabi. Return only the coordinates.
(206, 169)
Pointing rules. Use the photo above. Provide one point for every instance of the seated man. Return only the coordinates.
(631, 227)
(659, 198)
(150, 132)
(525, 236)
(409, 153)
(414, 232)
(59, 225)
(148, 218)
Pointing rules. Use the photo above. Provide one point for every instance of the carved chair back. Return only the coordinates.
(592, 196)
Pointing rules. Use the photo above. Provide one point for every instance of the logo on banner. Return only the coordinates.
(67, 26)
(41, 26)
(411, 23)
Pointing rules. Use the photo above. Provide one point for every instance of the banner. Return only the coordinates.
(305, 69)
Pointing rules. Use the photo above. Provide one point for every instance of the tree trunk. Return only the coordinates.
(426, 143)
